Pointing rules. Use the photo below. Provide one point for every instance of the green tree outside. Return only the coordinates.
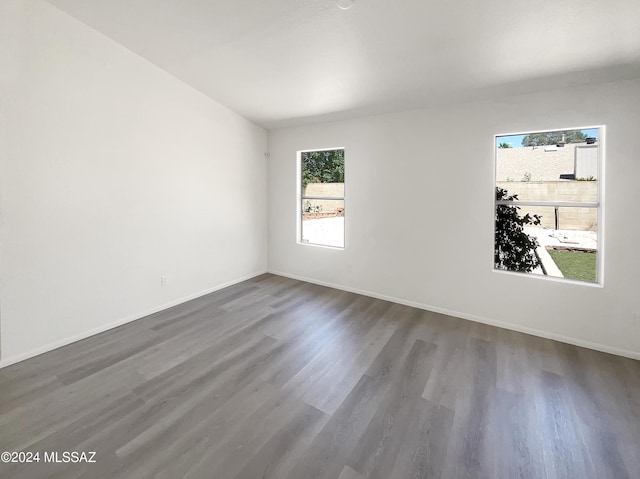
(322, 167)
(554, 137)
(514, 249)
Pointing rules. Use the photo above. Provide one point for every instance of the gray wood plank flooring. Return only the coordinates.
(277, 378)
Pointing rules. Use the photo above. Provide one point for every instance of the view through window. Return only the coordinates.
(322, 197)
(548, 203)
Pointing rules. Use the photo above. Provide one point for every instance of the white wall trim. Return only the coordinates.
(471, 317)
(72, 339)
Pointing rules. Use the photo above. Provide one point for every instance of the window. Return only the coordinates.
(322, 197)
(548, 216)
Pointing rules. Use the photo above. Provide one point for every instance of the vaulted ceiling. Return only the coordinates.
(284, 62)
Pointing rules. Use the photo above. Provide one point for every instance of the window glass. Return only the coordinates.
(322, 207)
(547, 209)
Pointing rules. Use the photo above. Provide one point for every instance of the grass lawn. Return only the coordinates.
(575, 264)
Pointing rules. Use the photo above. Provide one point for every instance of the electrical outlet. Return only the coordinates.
(164, 280)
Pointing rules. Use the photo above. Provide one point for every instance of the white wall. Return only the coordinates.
(113, 173)
(429, 244)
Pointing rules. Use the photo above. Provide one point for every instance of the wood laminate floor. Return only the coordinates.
(276, 378)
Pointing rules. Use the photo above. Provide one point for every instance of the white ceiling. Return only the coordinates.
(284, 62)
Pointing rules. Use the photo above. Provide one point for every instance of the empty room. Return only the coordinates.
(338, 239)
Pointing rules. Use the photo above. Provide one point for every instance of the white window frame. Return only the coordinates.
(599, 205)
(301, 198)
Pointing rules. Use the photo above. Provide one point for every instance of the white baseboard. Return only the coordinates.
(514, 327)
(77, 337)
(471, 317)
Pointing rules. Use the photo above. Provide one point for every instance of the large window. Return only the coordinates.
(322, 197)
(548, 217)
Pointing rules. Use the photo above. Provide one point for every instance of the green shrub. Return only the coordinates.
(514, 249)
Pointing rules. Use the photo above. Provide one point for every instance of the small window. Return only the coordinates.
(322, 197)
(548, 212)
